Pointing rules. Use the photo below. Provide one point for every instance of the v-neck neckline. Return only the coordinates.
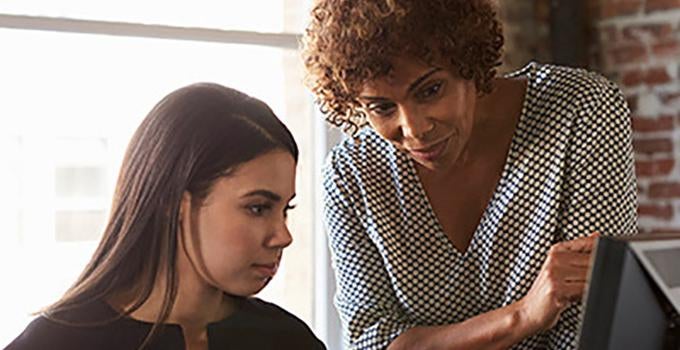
(527, 71)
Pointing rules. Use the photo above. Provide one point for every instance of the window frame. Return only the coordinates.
(326, 322)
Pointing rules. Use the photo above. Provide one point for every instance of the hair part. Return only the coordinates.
(350, 42)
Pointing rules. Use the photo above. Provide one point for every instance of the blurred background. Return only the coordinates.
(635, 43)
(77, 77)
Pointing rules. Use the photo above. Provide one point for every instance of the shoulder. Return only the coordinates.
(364, 152)
(362, 164)
(71, 329)
(554, 77)
(44, 333)
(578, 87)
(39, 333)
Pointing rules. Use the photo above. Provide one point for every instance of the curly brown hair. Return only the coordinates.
(350, 42)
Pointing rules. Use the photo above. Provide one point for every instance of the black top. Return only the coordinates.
(255, 325)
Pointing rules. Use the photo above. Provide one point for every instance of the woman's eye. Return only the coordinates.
(258, 209)
(430, 91)
(381, 109)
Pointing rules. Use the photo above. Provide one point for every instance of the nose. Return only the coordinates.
(414, 124)
(281, 237)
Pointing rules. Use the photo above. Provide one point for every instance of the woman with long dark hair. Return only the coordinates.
(197, 226)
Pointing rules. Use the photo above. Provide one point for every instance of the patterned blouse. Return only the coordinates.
(569, 172)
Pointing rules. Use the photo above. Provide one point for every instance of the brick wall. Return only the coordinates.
(637, 44)
(526, 31)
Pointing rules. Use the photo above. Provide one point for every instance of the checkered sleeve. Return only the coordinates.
(368, 308)
(600, 191)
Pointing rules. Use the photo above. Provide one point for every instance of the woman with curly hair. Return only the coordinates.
(461, 211)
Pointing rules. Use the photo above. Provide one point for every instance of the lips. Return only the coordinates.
(266, 270)
(431, 152)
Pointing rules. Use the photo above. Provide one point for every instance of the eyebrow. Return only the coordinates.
(422, 78)
(411, 86)
(267, 194)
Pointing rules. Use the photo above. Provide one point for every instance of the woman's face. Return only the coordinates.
(239, 232)
(425, 111)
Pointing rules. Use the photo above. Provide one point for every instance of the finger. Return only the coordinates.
(580, 259)
(584, 244)
(569, 274)
(571, 258)
(576, 278)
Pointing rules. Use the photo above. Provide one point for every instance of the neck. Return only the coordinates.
(196, 304)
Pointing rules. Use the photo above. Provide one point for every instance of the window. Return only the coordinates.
(270, 16)
(75, 89)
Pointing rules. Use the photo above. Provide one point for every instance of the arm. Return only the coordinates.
(370, 311)
(498, 329)
(600, 187)
(560, 282)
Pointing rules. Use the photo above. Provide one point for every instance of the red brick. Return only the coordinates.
(646, 124)
(669, 48)
(655, 31)
(652, 168)
(664, 190)
(653, 76)
(628, 54)
(653, 146)
(616, 8)
(632, 78)
(660, 5)
(657, 76)
(659, 211)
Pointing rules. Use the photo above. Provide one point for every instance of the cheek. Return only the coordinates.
(227, 249)
(460, 106)
(461, 118)
(384, 128)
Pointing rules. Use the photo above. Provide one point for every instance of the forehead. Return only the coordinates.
(274, 171)
(404, 72)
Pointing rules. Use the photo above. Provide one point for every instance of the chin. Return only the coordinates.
(431, 165)
(247, 289)
(259, 286)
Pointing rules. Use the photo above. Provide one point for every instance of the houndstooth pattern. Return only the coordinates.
(569, 171)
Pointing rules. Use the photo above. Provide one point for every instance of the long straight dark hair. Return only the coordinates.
(192, 137)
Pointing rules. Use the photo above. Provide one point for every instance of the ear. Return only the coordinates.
(185, 213)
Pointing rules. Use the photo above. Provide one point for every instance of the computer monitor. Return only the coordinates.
(633, 294)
